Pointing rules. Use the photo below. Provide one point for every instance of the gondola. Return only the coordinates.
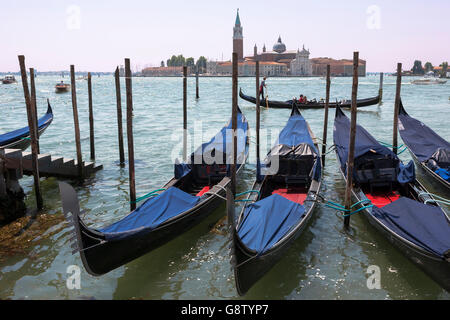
(394, 202)
(313, 104)
(280, 205)
(428, 150)
(197, 189)
(20, 138)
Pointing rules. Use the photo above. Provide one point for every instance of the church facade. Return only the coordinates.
(279, 61)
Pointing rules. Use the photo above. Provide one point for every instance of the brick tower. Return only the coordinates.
(238, 38)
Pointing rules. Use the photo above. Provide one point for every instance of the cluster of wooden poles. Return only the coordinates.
(30, 100)
(231, 189)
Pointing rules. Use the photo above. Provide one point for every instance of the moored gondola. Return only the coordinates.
(429, 151)
(194, 193)
(280, 205)
(395, 203)
(20, 138)
(313, 104)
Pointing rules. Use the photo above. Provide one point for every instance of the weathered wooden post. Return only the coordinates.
(34, 107)
(397, 106)
(91, 117)
(258, 120)
(196, 83)
(351, 148)
(76, 123)
(184, 113)
(31, 125)
(325, 119)
(119, 118)
(130, 134)
(234, 122)
(380, 91)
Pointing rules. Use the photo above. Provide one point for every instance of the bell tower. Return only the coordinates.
(238, 38)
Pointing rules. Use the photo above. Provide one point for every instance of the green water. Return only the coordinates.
(324, 263)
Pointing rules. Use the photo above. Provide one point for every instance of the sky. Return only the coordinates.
(97, 35)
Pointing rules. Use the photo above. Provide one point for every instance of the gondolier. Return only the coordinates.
(261, 88)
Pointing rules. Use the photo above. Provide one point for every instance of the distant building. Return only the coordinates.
(301, 65)
(343, 67)
(246, 68)
(238, 38)
(164, 71)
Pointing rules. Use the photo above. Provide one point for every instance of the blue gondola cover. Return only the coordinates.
(12, 136)
(265, 222)
(365, 143)
(420, 139)
(424, 225)
(151, 214)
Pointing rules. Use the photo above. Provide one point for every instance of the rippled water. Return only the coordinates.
(325, 262)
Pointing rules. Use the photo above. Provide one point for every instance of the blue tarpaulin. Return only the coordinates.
(151, 214)
(15, 135)
(420, 139)
(265, 222)
(424, 225)
(296, 132)
(365, 143)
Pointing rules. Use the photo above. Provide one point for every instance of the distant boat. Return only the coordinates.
(429, 79)
(62, 87)
(9, 79)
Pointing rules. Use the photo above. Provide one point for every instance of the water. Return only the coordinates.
(325, 262)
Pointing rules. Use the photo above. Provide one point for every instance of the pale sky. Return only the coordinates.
(97, 35)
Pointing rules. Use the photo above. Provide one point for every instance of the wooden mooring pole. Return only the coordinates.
(325, 118)
(31, 125)
(380, 91)
(34, 107)
(234, 122)
(91, 117)
(351, 148)
(130, 134)
(258, 120)
(197, 96)
(185, 113)
(396, 107)
(119, 118)
(75, 121)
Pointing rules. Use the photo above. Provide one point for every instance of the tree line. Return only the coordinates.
(418, 69)
(180, 60)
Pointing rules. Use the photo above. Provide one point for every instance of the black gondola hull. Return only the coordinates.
(435, 267)
(249, 270)
(311, 105)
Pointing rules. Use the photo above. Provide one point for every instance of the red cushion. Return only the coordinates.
(291, 194)
(205, 189)
(381, 199)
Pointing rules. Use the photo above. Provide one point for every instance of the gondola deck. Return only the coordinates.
(194, 193)
(280, 207)
(421, 231)
(429, 151)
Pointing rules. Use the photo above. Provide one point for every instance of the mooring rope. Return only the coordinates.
(438, 199)
(391, 146)
(246, 192)
(336, 206)
(148, 195)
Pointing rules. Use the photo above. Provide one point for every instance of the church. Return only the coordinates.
(279, 61)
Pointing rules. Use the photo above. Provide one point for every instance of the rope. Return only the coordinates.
(246, 192)
(148, 195)
(339, 207)
(432, 195)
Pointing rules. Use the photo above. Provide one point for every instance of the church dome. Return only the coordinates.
(279, 47)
